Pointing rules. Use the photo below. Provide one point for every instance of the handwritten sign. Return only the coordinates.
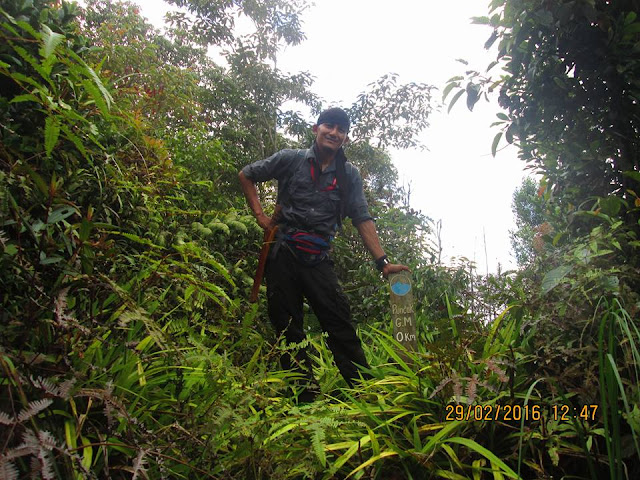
(402, 312)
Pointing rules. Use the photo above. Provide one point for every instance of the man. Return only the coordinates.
(316, 189)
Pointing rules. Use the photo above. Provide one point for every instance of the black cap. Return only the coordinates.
(336, 116)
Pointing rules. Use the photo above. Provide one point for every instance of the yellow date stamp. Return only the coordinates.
(511, 413)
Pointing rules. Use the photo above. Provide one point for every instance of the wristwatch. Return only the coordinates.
(381, 262)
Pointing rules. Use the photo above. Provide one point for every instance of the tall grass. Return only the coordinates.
(617, 340)
(392, 425)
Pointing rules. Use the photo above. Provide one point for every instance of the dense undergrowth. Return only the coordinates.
(128, 348)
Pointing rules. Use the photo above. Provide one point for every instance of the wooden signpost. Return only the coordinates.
(402, 313)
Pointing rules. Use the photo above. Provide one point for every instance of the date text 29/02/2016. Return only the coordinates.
(506, 413)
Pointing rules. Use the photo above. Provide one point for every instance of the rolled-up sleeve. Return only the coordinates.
(357, 207)
(272, 167)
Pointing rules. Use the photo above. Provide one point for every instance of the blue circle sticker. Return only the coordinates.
(400, 288)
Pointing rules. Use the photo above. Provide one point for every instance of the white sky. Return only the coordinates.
(351, 43)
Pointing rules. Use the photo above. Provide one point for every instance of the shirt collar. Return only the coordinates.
(311, 157)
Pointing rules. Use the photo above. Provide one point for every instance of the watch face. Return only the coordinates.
(381, 262)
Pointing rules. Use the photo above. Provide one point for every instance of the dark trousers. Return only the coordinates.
(288, 281)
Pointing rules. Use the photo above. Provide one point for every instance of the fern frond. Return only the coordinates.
(36, 469)
(472, 388)
(139, 465)
(46, 385)
(494, 368)
(60, 305)
(64, 389)
(20, 451)
(4, 240)
(61, 299)
(47, 441)
(61, 391)
(64, 319)
(109, 413)
(40, 446)
(30, 442)
(6, 419)
(440, 386)
(154, 329)
(33, 409)
(318, 443)
(46, 466)
(457, 386)
(8, 470)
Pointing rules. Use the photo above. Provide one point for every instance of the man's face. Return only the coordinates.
(329, 136)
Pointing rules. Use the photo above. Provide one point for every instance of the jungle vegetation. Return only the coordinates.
(128, 348)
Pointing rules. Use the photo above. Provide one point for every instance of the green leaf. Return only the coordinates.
(96, 96)
(494, 145)
(485, 453)
(70, 434)
(493, 332)
(436, 439)
(25, 25)
(138, 239)
(632, 29)
(51, 134)
(560, 83)
(85, 230)
(557, 238)
(50, 40)
(27, 97)
(454, 100)
(38, 180)
(448, 89)
(60, 214)
(355, 447)
(473, 95)
(448, 474)
(76, 141)
(632, 174)
(491, 40)
(318, 443)
(372, 460)
(611, 205)
(35, 64)
(87, 453)
(22, 78)
(480, 20)
(509, 135)
(285, 429)
(554, 277)
(50, 260)
(89, 72)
